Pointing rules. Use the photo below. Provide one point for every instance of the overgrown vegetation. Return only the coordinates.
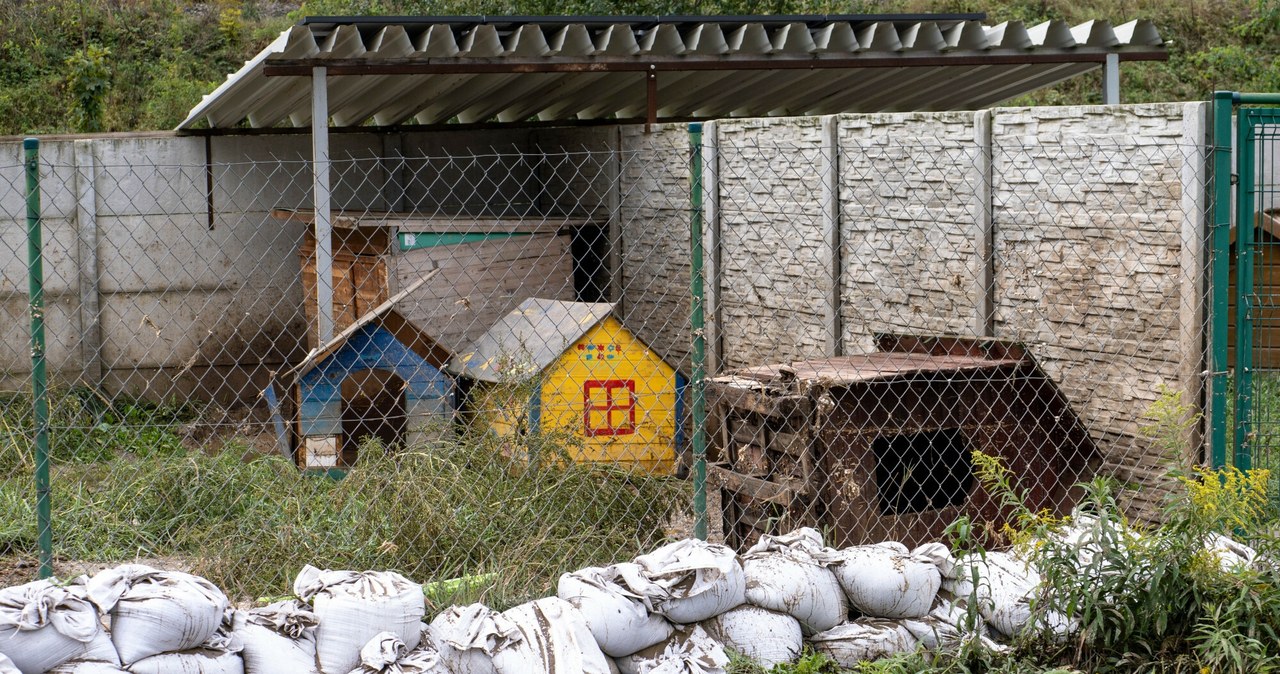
(246, 521)
(87, 65)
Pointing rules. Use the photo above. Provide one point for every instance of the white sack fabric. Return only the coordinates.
(43, 624)
(7, 666)
(155, 611)
(101, 650)
(468, 637)
(886, 581)
(790, 574)
(353, 607)
(85, 667)
(863, 639)
(620, 620)
(1230, 554)
(193, 661)
(1004, 592)
(278, 638)
(688, 651)
(554, 639)
(767, 637)
(220, 654)
(688, 581)
(387, 654)
(943, 627)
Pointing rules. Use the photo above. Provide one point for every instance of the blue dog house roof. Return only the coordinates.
(393, 322)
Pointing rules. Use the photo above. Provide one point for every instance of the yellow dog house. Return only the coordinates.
(572, 367)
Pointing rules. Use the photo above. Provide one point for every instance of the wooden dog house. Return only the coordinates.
(878, 446)
(382, 376)
(1266, 287)
(572, 367)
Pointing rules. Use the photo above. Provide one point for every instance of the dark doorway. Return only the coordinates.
(373, 406)
(922, 471)
(590, 247)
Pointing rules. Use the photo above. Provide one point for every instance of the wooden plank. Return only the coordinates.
(418, 222)
(779, 493)
(789, 411)
(795, 444)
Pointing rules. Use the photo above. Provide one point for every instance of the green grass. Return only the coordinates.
(248, 522)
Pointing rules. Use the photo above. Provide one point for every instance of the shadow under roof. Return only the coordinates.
(392, 71)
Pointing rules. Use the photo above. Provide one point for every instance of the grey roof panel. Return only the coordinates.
(436, 69)
(527, 340)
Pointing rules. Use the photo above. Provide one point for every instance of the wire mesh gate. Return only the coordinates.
(518, 321)
(1257, 366)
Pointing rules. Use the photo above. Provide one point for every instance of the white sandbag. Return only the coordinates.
(101, 649)
(1230, 554)
(687, 651)
(554, 640)
(279, 638)
(1006, 587)
(7, 666)
(768, 637)
(353, 607)
(863, 639)
(620, 620)
(85, 667)
(155, 611)
(387, 654)
(940, 555)
(886, 581)
(219, 654)
(944, 626)
(468, 637)
(44, 624)
(192, 661)
(688, 581)
(790, 574)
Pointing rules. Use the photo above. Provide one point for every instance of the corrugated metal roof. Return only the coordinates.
(528, 339)
(432, 70)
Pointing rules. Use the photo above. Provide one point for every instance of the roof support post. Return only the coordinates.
(1111, 80)
(651, 100)
(320, 194)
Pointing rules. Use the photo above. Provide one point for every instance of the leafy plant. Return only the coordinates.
(89, 78)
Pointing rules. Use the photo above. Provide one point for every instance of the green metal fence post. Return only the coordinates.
(39, 382)
(1244, 436)
(699, 356)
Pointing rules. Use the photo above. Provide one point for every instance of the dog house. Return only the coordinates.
(382, 377)
(1266, 287)
(879, 446)
(572, 367)
(488, 265)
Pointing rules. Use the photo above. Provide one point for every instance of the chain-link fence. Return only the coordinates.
(509, 386)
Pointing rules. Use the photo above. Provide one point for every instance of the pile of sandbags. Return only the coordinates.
(675, 610)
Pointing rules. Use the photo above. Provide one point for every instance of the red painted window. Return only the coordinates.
(609, 407)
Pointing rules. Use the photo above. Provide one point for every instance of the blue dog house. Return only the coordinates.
(381, 377)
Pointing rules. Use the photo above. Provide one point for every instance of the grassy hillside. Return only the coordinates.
(118, 65)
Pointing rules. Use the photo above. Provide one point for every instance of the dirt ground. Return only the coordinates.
(19, 569)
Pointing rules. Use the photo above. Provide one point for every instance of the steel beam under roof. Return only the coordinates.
(388, 70)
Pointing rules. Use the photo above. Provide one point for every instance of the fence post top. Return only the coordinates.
(30, 143)
(695, 127)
